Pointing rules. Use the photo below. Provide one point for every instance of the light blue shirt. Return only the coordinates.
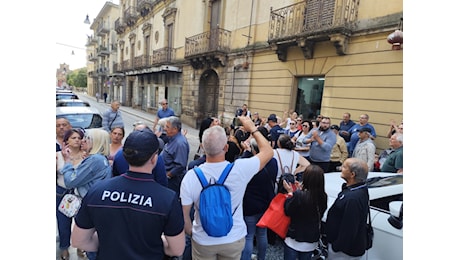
(322, 153)
(92, 169)
(111, 119)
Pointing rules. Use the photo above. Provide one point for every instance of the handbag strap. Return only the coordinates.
(369, 215)
(281, 163)
(110, 126)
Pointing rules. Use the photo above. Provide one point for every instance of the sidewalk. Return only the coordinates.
(192, 133)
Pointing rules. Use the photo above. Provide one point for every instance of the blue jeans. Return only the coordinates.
(91, 255)
(292, 254)
(64, 223)
(261, 238)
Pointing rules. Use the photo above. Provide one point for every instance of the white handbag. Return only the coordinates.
(70, 204)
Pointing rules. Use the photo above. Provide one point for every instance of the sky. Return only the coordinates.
(71, 31)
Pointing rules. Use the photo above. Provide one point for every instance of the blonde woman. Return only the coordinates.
(95, 167)
(96, 144)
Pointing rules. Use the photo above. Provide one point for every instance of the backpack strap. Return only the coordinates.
(201, 177)
(222, 177)
(225, 173)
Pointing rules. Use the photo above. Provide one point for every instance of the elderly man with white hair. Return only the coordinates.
(394, 161)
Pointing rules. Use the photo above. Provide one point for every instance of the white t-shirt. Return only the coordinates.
(301, 142)
(287, 161)
(60, 164)
(242, 172)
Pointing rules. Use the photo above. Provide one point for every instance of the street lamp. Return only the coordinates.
(87, 20)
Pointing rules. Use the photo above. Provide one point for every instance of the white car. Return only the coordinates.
(386, 200)
(72, 103)
(81, 117)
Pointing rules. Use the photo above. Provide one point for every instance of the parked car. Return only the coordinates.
(63, 90)
(386, 200)
(66, 95)
(81, 117)
(72, 103)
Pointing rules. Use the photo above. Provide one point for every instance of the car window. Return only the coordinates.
(376, 182)
(382, 204)
(84, 121)
(72, 104)
(66, 96)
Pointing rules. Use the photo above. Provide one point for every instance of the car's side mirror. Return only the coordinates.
(396, 212)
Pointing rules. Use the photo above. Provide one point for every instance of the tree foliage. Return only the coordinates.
(77, 78)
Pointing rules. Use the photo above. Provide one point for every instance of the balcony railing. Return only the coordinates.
(141, 61)
(120, 25)
(312, 18)
(102, 28)
(92, 57)
(127, 65)
(102, 71)
(215, 40)
(145, 6)
(130, 15)
(163, 56)
(102, 51)
(91, 40)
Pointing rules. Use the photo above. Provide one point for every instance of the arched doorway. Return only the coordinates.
(208, 100)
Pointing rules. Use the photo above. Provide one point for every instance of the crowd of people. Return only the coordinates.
(145, 193)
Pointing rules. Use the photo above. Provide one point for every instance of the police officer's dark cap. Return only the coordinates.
(142, 143)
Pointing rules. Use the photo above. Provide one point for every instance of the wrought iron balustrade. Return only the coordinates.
(163, 56)
(312, 18)
(215, 40)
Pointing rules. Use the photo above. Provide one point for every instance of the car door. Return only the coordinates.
(388, 240)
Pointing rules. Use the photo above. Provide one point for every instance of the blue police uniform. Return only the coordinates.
(145, 217)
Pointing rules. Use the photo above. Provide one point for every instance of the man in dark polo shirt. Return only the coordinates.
(275, 130)
(131, 216)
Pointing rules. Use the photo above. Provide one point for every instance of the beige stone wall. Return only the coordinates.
(368, 80)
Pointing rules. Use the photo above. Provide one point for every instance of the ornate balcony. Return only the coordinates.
(102, 51)
(145, 6)
(308, 22)
(120, 25)
(163, 56)
(142, 61)
(130, 16)
(127, 65)
(208, 49)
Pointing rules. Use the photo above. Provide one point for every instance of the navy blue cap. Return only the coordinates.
(272, 117)
(142, 143)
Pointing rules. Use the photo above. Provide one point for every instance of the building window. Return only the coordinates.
(151, 97)
(309, 96)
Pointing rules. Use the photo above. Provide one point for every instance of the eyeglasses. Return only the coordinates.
(164, 103)
(305, 125)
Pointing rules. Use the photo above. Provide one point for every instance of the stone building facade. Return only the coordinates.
(209, 57)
